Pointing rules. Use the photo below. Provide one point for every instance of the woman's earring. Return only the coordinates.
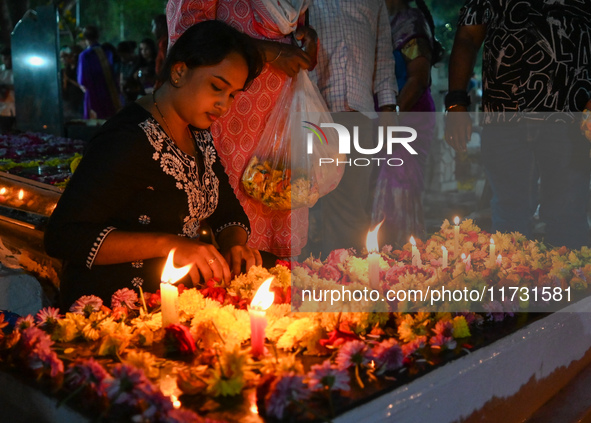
(176, 81)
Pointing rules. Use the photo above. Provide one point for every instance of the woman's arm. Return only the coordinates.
(418, 78)
(123, 247)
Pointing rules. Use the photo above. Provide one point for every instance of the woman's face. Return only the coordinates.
(146, 51)
(207, 92)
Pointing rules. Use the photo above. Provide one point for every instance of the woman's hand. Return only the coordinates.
(239, 254)
(208, 263)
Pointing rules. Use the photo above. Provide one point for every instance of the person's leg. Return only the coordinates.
(511, 171)
(563, 158)
(345, 217)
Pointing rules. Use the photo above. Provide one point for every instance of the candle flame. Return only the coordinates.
(443, 249)
(21, 194)
(492, 241)
(412, 241)
(372, 239)
(172, 274)
(263, 298)
(457, 220)
(2, 190)
(463, 256)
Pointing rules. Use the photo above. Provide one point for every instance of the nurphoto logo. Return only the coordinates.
(388, 136)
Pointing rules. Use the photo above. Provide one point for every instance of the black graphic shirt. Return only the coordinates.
(536, 57)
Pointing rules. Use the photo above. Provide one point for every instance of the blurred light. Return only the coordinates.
(36, 61)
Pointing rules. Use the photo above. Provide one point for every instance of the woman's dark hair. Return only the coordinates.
(438, 50)
(151, 45)
(208, 43)
(160, 26)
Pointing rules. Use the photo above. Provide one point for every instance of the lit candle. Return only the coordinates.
(499, 259)
(416, 256)
(373, 259)
(456, 237)
(168, 292)
(2, 194)
(492, 251)
(467, 261)
(258, 319)
(444, 258)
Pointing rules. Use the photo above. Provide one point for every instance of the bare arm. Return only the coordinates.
(419, 74)
(468, 40)
(122, 246)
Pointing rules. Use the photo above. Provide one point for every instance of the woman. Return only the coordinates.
(151, 175)
(399, 189)
(273, 24)
(146, 72)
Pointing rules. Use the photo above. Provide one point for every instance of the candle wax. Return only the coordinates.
(374, 270)
(258, 323)
(170, 304)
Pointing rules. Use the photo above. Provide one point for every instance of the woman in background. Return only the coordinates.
(399, 189)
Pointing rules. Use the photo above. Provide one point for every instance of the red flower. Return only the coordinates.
(339, 336)
(179, 338)
(214, 292)
(283, 263)
(471, 236)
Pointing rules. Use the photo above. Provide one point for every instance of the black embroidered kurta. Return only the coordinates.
(134, 178)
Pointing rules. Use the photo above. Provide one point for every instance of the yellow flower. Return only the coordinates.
(143, 360)
(460, 327)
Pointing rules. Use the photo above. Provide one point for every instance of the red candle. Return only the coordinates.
(258, 319)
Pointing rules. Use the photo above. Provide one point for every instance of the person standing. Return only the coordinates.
(536, 79)
(398, 198)
(274, 25)
(355, 64)
(160, 31)
(97, 78)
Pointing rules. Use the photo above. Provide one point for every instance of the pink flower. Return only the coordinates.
(87, 372)
(327, 376)
(415, 344)
(124, 297)
(443, 335)
(47, 315)
(283, 391)
(353, 353)
(126, 378)
(36, 350)
(25, 322)
(330, 272)
(388, 355)
(180, 339)
(86, 305)
(337, 257)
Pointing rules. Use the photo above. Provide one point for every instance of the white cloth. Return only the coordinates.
(284, 13)
(355, 55)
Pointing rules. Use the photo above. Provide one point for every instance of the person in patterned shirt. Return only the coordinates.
(151, 176)
(536, 80)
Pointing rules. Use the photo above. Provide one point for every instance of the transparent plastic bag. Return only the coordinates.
(282, 173)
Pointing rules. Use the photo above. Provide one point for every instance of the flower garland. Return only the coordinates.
(112, 358)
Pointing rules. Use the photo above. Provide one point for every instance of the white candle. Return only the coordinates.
(373, 259)
(467, 261)
(169, 294)
(492, 251)
(456, 237)
(444, 257)
(258, 319)
(170, 304)
(416, 256)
